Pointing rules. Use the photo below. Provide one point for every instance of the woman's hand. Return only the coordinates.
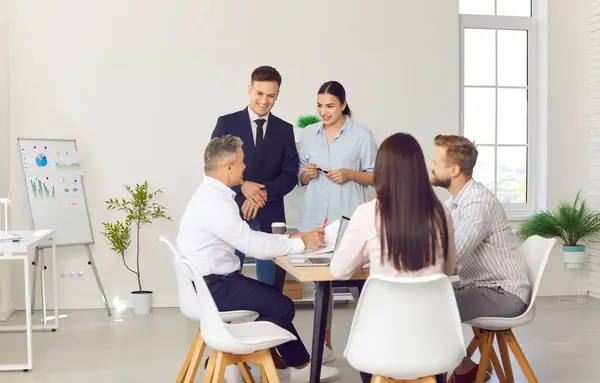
(340, 175)
(311, 171)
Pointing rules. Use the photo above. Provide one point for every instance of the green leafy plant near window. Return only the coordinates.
(572, 222)
(139, 209)
(303, 121)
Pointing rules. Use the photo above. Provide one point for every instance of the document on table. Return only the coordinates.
(331, 234)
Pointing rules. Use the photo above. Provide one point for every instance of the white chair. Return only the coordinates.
(235, 343)
(535, 251)
(189, 307)
(406, 329)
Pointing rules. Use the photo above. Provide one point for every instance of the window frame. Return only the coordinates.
(515, 211)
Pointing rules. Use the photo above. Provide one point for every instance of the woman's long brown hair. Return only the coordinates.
(413, 223)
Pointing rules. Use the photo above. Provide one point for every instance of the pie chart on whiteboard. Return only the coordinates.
(41, 160)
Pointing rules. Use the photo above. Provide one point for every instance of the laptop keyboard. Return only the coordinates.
(320, 261)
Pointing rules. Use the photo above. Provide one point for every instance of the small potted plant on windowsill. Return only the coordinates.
(302, 122)
(572, 223)
(139, 210)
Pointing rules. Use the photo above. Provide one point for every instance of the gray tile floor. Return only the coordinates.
(562, 345)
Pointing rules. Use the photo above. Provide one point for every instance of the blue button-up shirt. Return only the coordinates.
(353, 148)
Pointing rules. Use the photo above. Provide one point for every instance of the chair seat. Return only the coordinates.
(250, 337)
(238, 315)
(499, 324)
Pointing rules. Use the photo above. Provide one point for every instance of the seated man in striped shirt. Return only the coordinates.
(493, 276)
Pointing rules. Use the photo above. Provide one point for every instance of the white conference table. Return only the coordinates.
(19, 251)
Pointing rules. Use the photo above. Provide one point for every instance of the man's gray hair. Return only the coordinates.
(219, 148)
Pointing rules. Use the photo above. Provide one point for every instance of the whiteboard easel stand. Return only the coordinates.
(90, 241)
(39, 255)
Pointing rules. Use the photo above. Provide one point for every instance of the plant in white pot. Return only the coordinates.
(302, 122)
(140, 209)
(572, 222)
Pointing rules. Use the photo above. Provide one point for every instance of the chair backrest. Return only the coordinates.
(185, 290)
(536, 251)
(406, 328)
(199, 304)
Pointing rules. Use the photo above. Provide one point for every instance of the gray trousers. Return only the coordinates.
(487, 302)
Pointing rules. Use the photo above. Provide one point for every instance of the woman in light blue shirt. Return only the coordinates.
(337, 157)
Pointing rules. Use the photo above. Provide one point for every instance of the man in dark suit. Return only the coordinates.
(270, 155)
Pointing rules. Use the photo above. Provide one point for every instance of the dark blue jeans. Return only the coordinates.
(265, 269)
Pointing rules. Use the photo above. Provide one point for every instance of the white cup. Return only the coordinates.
(278, 228)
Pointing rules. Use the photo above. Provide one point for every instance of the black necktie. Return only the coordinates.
(259, 134)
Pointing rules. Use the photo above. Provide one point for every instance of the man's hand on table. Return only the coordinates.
(313, 239)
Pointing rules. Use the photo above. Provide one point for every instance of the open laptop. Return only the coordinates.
(326, 259)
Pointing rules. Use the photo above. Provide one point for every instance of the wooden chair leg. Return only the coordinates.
(195, 361)
(519, 355)
(496, 361)
(245, 372)
(491, 366)
(505, 358)
(263, 374)
(266, 361)
(219, 373)
(188, 359)
(210, 369)
(474, 345)
(486, 348)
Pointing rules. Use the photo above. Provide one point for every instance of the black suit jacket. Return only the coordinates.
(276, 167)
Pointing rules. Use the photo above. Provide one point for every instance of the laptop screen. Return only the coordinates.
(343, 225)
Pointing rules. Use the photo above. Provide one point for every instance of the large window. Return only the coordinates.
(498, 46)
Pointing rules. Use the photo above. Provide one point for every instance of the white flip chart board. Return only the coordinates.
(53, 175)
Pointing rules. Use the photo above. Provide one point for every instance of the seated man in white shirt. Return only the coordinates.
(493, 276)
(211, 230)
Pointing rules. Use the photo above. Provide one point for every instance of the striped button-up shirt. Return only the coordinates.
(486, 246)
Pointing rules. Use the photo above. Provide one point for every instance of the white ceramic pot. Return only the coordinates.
(297, 134)
(575, 256)
(142, 302)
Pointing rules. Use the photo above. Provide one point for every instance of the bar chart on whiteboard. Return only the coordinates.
(53, 175)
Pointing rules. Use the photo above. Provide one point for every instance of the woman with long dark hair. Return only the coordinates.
(337, 156)
(406, 231)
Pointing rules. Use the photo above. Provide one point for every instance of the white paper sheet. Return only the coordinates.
(331, 233)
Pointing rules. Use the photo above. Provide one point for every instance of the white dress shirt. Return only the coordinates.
(211, 230)
(253, 117)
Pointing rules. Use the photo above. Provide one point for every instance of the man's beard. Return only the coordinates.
(439, 182)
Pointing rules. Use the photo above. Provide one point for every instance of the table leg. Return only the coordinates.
(43, 283)
(55, 283)
(28, 319)
(36, 259)
(322, 293)
(279, 278)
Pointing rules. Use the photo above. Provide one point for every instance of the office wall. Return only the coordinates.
(141, 83)
(6, 305)
(594, 137)
(4, 131)
(567, 135)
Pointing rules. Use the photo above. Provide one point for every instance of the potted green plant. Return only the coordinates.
(572, 222)
(302, 122)
(140, 209)
(305, 120)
